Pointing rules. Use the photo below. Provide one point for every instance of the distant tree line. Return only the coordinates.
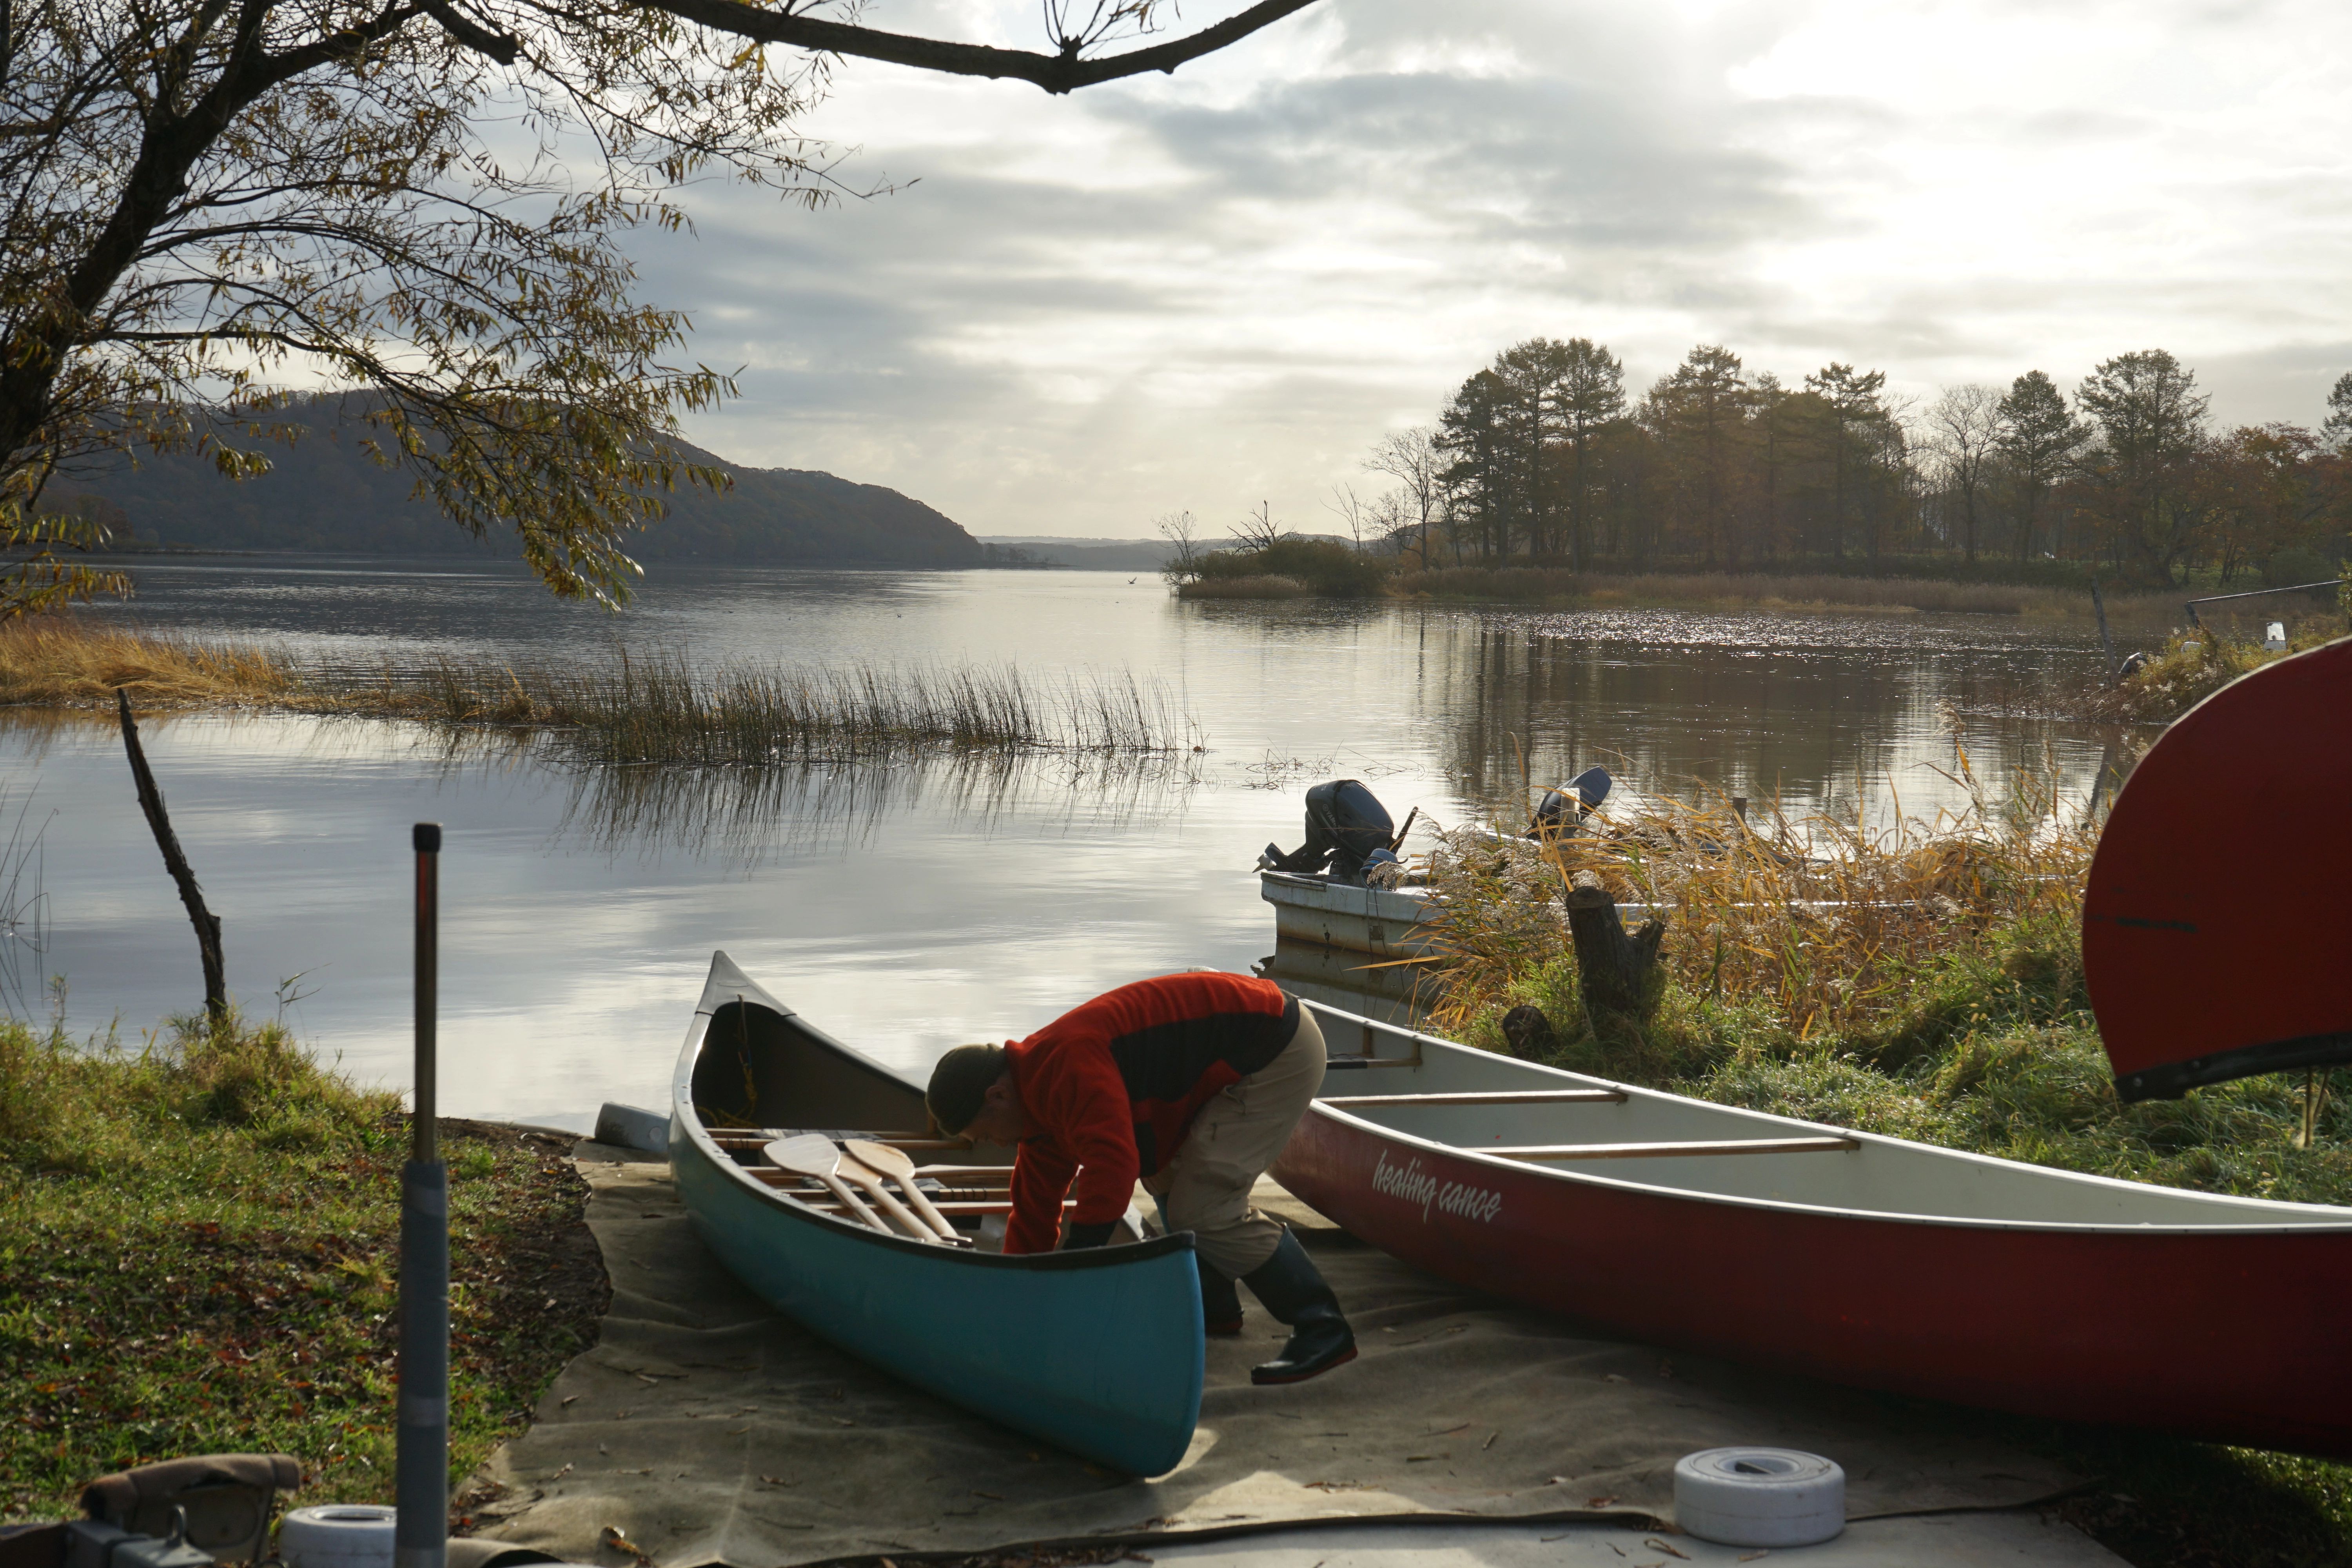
(1544, 457)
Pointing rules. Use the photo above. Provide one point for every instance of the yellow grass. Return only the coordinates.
(56, 662)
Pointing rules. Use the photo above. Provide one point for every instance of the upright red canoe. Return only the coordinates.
(2217, 924)
(1861, 1259)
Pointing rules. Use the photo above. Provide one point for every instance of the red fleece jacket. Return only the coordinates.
(1109, 1088)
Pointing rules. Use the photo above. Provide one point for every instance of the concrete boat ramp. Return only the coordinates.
(702, 1428)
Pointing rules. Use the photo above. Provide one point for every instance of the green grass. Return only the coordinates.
(197, 1254)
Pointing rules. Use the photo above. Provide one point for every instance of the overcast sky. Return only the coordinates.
(1204, 290)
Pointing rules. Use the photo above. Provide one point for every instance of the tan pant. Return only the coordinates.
(1206, 1187)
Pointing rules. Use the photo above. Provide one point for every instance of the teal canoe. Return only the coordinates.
(1098, 1351)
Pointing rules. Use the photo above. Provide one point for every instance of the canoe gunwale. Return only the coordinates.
(1579, 1173)
(696, 1137)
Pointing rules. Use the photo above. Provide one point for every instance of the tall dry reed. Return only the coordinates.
(1825, 926)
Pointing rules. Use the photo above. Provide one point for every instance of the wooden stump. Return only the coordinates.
(1612, 969)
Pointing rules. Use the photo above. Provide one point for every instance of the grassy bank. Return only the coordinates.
(1925, 984)
(2191, 667)
(657, 708)
(1742, 591)
(197, 1246)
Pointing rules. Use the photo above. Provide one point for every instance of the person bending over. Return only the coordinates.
(1191, 1083)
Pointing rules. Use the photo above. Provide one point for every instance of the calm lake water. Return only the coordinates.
(908, 908)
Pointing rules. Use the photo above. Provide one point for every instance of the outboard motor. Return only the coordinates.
(1345, 824)
(1557, 816)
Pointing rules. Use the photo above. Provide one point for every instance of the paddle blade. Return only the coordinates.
(879, 1156)
(2218, 920)
(809, 1154)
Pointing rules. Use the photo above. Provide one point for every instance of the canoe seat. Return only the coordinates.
(1545, 1151)
(1511, 1097)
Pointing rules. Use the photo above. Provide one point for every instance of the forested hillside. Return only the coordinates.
(325, 493)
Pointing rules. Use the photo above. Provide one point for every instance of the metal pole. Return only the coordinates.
(420, 1487)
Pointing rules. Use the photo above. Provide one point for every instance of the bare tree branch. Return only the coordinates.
(1056, 73)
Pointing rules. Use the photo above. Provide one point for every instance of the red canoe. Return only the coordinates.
(2212, 955)
(1864, 1260)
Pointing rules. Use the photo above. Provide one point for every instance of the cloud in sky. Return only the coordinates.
(1199, 292)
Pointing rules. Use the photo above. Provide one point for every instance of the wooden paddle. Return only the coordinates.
(894, 1164)
(857, 1174)
(813, 1154)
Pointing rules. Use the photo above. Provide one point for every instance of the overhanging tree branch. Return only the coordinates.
(1056, 73)
(499, 46)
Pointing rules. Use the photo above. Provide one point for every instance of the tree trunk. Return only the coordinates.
(207, 924)
(1612, 969)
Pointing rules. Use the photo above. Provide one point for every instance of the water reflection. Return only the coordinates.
(748, 816)
(1724, 704)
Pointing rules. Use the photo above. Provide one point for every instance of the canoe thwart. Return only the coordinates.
(824, 1204)
(760, 1135)
(1343, 1064)
(1508, 1097)
(1670, 1151)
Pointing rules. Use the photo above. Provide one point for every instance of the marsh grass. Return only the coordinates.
(197, 1254)
(1740, 591)
(66, 662)
(661, 707)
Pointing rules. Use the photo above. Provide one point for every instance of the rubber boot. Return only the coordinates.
(1221, 1303)
(1291, 1290)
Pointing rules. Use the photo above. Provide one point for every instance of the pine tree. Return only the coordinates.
(2039, 438)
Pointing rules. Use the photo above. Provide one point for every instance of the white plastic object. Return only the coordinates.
(1759, 1497)
(337, 1535)
(2274, 638)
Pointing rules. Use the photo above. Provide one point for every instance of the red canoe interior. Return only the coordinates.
(2216, 926)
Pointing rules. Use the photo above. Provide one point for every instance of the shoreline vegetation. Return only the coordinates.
(1332, 571)
(1808, 590)
(636, 708)
(198, 1246)
(1922, 982)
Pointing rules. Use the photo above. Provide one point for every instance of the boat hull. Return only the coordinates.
(2224, 1333)
(1099, 1352)
(1379, 923)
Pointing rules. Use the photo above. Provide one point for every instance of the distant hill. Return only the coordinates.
(1089, 554)
(324, 493)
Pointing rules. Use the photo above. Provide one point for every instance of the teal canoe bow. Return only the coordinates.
(1098, 1351)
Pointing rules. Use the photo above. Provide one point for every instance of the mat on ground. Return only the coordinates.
(702, 1428)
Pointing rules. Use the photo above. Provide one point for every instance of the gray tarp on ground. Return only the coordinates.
(705, 1428)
